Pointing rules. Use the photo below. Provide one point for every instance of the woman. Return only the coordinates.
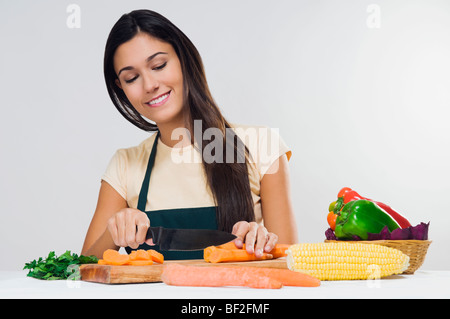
(156, 80)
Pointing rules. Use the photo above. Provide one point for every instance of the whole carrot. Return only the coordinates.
(198, 276)
(288, 277)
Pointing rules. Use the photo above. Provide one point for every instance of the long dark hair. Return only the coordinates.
(229, 182)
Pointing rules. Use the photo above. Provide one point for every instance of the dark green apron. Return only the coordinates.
(195, 218)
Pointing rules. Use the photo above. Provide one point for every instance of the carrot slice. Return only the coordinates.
(156, 256)
(135, 258)
(139, 254)
(140, 262)
(213, 254)
(181, 275)
(113, 257)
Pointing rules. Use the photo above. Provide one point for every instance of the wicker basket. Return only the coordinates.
(415, 249)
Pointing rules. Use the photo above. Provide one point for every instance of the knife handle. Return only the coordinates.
(155, 234)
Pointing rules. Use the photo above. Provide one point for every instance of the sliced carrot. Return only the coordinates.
(213, 254)
(229, 245)
(156, 256)
(181, 275)
(139, 254)
(135, 258)
(140, 262)
(278, 251)
(113, 257)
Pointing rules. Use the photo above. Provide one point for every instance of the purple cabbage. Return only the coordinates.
(384, 234)
(401, 234)
(329, 234)
(418, 232)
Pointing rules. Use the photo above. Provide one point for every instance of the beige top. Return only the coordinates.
(178, 179)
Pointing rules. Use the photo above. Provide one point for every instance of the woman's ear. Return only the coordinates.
(118, 84)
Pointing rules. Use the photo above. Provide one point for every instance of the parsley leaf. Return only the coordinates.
(55, 268)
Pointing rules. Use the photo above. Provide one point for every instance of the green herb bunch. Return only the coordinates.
(54, 268)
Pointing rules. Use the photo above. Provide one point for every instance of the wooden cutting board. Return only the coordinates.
(140, 274)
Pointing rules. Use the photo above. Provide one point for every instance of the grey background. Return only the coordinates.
(360, 106)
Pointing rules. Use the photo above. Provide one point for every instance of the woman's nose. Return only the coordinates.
(150, 82)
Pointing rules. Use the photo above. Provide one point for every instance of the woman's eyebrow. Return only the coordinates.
(147, 60)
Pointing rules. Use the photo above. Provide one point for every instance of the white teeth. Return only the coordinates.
(159, 99)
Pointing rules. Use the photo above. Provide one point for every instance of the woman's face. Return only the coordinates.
(149, 73)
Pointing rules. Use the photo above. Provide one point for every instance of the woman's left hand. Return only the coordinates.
(256, 237)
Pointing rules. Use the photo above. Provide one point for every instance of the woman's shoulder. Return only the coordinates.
(264, 143)
(243, 126)
(254, 135)
(249, 129)
(138, 152)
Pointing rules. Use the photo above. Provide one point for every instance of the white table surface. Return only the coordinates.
(423, 284)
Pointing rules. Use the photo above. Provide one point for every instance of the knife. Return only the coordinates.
(187, 239)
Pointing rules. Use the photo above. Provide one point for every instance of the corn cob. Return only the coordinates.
(346, 261)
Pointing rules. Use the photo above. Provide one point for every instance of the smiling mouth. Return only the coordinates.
(159, 100)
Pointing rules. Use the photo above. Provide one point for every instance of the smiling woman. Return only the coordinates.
(151, 81)
(155, 78)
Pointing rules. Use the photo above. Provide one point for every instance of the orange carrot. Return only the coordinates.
(140, 254)
(288, 277)
(181, 275)
(113, 257)
(156, 256)
(138, 257)
(139, 262)
(213, 254)
(229, 245)
(278, 251)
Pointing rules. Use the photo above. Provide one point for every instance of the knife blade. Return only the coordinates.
(187, 239)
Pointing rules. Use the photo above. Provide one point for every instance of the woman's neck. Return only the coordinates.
(174, 135)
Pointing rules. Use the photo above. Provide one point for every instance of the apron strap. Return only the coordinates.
(142, 202)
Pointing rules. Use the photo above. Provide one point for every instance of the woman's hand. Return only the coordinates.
(122, 227)
(256, 237)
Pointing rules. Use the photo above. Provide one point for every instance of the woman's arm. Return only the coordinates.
(98, 238)
(276, 203)
(279, 221)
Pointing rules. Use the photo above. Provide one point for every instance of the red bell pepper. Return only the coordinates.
(349, 195)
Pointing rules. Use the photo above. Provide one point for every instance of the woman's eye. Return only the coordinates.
(131, 80)
(160, 67)
(156, 68)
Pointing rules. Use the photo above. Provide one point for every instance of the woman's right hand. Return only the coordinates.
(122, 227)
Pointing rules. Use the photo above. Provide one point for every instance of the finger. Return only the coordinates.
(130, 230)
(143, 223)
(240, 229)
(112, 228)
(141, 232)
(120, 223)
(271, 242)
(250, 238)
(261, 239)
